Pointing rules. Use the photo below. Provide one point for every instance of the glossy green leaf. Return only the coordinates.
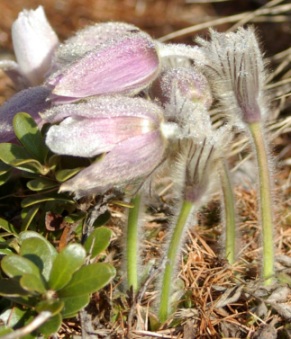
(5, 177)
(51, 326)
(37, 199)
(5, 225)
(66, 174)
(102, 219)
(14, 265)
(30, 165)
(39, 250)
(11, 288)
(41, 184)
(88, 279)
(72, 305)
(97, 241)
(27, 132)
(32, 283)
(10, 152)
(54, 306)
(28, 215)
(65, 265)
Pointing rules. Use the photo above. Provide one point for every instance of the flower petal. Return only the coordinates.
(105, 107)
(34, 41)
(123, 67)
(31, 100)
(132, 159)
(91, 37)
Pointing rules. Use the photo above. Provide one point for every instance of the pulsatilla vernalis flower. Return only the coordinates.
(129, 129)
(234, 66)
(124, 65)
(34, 42)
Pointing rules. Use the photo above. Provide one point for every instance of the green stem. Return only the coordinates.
(229, 213)
(266, 215)
(185, 212)
(132, 243)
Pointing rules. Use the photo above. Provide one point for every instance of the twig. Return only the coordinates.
(40, 319)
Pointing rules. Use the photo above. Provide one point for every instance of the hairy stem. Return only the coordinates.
(266, 214)
(173, 250)
(229, 213)
(132, 243)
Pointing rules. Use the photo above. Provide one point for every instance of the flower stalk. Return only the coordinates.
(265, 188)
(185, 214)
(229, 213)
(132, 243)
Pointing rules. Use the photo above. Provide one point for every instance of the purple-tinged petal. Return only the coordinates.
(129, 161)
(105, 107)
(91, 37)
(89, 137)
(31, 100)
(34, 42)
(123, 67)
(97, 125)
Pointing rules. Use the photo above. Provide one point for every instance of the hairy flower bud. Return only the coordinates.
(34, 42)
(234, 66)
(122, 66)
(183, 82)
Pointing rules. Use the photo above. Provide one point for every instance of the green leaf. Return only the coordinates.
(97, 241)
(65, 265)
(27, 215)
(11, 288)
(32, 283)
(39, 250)
(51, 326)
(14, 265)
(5, 177)
(5, 330)
(41, 184)
(30, 165)
(74, 304)
(27, 132)
(37, 199)
(5, 225)
(54, 306)
(65, 174)
(10, 152)
(88, 279)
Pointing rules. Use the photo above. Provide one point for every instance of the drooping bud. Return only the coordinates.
(122, 66)
(234, 65)
(31, 100)
(34, 42)
(184, 83)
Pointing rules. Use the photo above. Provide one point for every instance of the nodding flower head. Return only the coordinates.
(124, 65)
(34, 42)
(234, 66)
(128, 129)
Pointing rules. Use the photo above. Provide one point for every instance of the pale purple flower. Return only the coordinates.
(31, 100)
(129, 129)
(124, 65)
(34, 42)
